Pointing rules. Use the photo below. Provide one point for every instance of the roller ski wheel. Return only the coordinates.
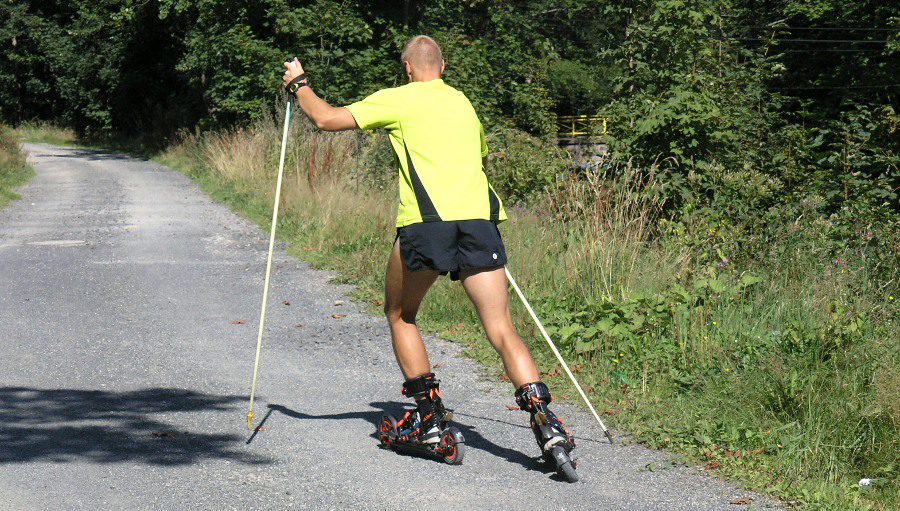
(387, 430)
(450, 446)
(565, 466)
(557, 454)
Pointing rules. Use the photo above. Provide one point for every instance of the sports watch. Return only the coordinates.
(297, 83)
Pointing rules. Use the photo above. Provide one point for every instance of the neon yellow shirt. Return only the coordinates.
(439, 143)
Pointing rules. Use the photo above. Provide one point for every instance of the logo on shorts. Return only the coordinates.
(495, 257)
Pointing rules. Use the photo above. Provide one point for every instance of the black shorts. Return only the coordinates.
(448, 247)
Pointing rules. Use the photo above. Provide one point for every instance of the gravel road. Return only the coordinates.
(128, 314)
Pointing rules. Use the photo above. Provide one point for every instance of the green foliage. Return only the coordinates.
(760, 381)
(686, 94)
(743, 157)
(46, 133)
(94, 66)
(159, 66)
(655, 328)
(577, 88)
(520, 167)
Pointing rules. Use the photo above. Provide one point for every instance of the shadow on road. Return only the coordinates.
(474, 439)
(64, 425)
(135, 153)
(96, 155)
(579, 438)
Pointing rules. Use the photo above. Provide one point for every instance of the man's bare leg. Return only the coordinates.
(489, 292)
(403, 293)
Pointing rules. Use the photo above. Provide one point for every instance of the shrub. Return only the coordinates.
(521, 167)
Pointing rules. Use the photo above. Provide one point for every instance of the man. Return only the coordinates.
(446, 223)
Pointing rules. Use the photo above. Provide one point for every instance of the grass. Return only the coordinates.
(780, 371)
(44, 132)
(47, 133)
(14, 171)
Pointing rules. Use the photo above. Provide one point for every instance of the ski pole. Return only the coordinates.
(265, 298)
(556, 352)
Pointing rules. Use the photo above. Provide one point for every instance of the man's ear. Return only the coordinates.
(408, 69)
(443, 65)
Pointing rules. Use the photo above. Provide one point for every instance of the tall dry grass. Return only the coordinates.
(612, 220)
(322, 205)
(44, 132)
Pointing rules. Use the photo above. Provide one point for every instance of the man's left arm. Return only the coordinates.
(323, 115)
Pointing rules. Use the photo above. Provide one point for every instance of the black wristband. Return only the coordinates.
(297, 83)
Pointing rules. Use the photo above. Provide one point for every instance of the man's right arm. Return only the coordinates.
(381, 109)
(323, 115)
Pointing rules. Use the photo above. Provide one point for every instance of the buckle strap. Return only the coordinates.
(527, 394)
(420, 385)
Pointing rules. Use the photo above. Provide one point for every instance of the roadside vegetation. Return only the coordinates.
(47, 133)
(14, 171)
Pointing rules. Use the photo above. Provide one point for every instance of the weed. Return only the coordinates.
(14, 171)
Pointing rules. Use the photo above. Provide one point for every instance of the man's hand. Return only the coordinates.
(294, 69)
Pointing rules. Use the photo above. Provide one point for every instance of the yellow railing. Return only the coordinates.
(580, 125)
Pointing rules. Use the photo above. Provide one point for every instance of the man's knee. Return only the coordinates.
(505, 339)
(499, 326)
(395, 313)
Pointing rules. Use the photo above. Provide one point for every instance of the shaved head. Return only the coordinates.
(423, 54)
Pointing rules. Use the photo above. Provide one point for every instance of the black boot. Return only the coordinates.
(547, 427)
(430, 417)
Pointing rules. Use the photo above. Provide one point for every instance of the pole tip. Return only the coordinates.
(608, 436)
(249, 420)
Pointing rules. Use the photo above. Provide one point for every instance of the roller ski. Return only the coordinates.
(555, 442)
(424, 429)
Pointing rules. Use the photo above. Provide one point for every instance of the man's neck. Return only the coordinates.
(425, 78)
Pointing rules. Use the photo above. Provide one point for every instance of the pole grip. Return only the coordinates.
(292, 86)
